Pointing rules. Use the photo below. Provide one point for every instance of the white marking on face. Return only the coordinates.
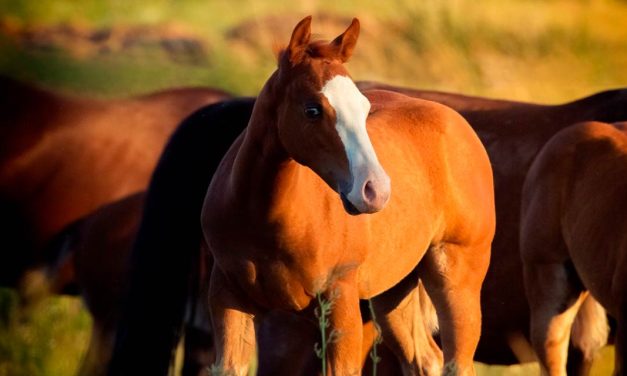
(351, 110)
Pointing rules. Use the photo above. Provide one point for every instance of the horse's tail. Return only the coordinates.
(590, 332)
(167, 245)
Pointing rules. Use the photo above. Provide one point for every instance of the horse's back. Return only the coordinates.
(579, 154)
(459, 102)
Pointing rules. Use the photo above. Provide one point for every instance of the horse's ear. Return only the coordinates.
(345, 43)
(299, 41)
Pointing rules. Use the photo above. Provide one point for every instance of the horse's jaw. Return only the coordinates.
(348, 206)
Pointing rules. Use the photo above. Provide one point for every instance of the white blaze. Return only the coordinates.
(351, 110)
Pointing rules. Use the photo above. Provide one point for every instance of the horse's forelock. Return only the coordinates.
(319, 49)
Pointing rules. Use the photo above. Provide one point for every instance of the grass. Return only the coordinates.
(374, 357)
(327, 335)
(48, 338)
(541, 51)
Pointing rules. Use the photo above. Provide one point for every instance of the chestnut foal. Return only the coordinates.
(280, 235)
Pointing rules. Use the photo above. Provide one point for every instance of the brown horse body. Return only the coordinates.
(61, 158)
(280, 235)
(513, 133)
(573, 237)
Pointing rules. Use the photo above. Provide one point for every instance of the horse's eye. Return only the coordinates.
(313, 110)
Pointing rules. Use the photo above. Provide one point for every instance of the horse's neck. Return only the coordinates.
(262, 171)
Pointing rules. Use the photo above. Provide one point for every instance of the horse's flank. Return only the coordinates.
(572, 235)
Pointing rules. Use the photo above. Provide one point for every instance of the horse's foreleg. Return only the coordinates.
(453, 276)
(343, 339)
(554, 299)
(233, 327)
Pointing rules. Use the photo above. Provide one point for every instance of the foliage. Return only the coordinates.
(322, 313)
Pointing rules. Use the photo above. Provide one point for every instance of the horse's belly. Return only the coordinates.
(393, 257)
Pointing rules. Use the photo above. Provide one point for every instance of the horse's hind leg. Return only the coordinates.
(555, 296)
(405, 330)
(589, 333)
(552, 286)
(453, 276)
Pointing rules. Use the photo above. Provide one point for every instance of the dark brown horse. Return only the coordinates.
(302, 206)
(573, 238)
(62, 157)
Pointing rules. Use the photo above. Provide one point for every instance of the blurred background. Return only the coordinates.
(545, 51)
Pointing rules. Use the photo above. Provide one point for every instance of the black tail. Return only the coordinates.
(168, 241)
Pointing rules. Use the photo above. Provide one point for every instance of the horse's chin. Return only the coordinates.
(348, 206)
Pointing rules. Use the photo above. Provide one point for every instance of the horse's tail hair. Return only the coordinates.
(428, 310)
(166, 254)
(590, 330)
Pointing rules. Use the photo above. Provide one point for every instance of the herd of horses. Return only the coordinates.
(472, 228)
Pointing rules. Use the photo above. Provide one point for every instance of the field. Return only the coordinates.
(532, 50)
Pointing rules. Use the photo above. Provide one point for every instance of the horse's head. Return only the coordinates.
(321, 118)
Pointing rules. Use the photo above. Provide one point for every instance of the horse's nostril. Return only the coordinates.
(369, 192)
